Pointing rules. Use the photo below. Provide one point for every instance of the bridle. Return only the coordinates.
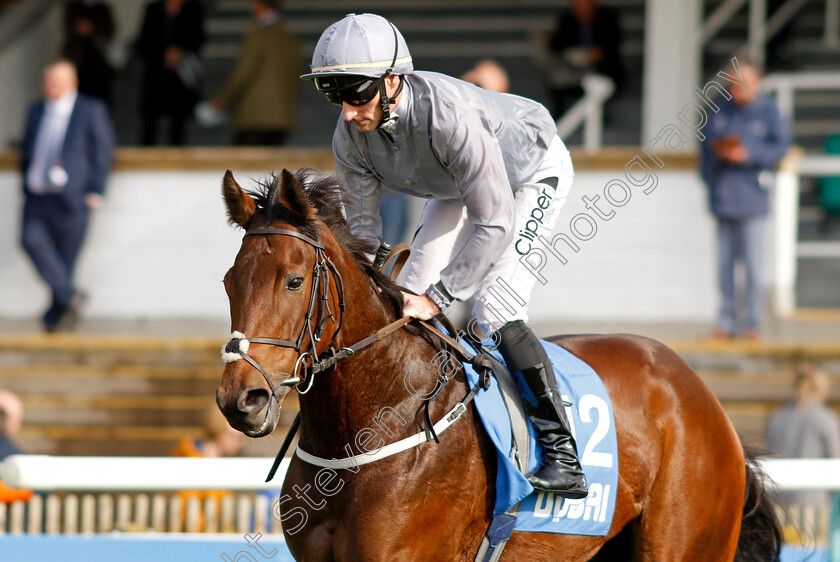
(308, 362)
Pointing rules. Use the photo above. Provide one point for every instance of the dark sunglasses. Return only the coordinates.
(356, 94)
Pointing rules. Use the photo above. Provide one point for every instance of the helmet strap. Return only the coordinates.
(385, 102)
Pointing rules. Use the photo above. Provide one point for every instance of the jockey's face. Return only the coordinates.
(368, 116)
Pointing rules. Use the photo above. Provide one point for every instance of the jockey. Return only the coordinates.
(495, 174)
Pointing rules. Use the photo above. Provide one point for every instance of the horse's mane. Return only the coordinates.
(326, 195)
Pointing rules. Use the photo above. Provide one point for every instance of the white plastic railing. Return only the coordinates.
(133, 474)
(785, 85)
(786, 205)
(788, 248)
(103, 494)
(588, 111)
(804, 474)
(140, 494)
(123, 474)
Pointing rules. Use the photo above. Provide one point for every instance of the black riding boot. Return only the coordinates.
(560, 472)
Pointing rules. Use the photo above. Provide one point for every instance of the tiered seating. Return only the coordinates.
(98, 395)
(87, 395)
(752, 379)
(444, 37)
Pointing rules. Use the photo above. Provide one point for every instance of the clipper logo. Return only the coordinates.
(526, 236)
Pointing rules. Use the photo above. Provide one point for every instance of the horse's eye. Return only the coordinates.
(294, 283)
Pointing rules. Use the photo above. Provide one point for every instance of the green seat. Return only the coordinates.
(829, 188)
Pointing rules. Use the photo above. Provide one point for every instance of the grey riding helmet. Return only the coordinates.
(354, 55)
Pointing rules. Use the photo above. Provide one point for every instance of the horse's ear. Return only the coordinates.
(293, 197)
(240, 206)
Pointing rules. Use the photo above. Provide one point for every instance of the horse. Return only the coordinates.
(302, 292)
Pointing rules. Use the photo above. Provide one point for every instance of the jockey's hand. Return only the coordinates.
(419, 306)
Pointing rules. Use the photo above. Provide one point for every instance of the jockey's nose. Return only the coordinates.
(350, 111)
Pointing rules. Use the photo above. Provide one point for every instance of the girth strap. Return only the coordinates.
(497, 536)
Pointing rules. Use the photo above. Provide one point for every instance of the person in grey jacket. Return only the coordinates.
(744, 141)
(806, 428)
(491, 166)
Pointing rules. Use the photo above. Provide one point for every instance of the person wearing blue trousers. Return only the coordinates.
(744, 141)
(66, 155)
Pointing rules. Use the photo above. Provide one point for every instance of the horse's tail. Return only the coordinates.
(761, 532)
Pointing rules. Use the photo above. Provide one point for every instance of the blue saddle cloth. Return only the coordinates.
(593, 426)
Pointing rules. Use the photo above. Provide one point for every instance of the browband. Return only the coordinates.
(285, 232)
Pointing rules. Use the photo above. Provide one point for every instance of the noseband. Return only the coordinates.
(308, 363)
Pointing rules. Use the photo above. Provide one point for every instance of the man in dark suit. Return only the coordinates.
(67, 151)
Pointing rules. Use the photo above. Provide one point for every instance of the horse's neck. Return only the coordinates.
(372, 383)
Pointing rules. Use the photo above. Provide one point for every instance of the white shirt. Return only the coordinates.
(50, 140)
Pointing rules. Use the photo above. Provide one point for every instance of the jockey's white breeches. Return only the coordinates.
(503, 294)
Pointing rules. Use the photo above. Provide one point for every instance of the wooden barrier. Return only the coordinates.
(321, 158)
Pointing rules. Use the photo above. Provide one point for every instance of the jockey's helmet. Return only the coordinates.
(354, 55)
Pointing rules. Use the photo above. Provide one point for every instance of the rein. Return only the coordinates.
(480, 362)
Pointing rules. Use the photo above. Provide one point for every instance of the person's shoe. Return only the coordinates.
(70, 316)
(555, 476)
(751, 334)
(52, 315)
(722, 335)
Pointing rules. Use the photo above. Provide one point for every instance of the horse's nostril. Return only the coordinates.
(253, 400)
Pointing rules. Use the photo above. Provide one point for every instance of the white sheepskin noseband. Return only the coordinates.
(231, 356)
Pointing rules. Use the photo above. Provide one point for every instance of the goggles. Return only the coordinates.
(341, 89)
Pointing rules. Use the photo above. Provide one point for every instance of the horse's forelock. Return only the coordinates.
(325, 194)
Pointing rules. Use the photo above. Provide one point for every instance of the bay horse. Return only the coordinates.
(301, 285)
